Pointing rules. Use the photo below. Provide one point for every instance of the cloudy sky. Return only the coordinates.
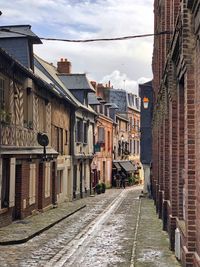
(124, 63)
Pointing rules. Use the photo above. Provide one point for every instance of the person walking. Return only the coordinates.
(123, 180)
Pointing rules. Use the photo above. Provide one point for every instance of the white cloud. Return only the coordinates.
(122, 81)
(90, 19)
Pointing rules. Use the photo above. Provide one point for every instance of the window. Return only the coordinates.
(47, 179)
(134, 123)
(28, 109)
(85, 133)
(109, 147)
(32, 180)
(134, 152)
(60, 181)
(58, 139)
(119, 148)
(130, 146)
(42, 115)
(138, 147)
(79, 131)
(102, 108)
(86, 99)
(130, 123)
(101, 135)
(66, 137)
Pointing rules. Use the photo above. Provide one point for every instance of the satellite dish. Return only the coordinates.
(42, 139)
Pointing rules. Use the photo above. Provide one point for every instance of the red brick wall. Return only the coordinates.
(181, 152)
(178, 165)
(197, 75)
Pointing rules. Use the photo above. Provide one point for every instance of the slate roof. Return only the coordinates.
(38, 80)
(122, 99)
(76, 81)
(92, 99)
(118, 97)
(49, 73)
(17, 31)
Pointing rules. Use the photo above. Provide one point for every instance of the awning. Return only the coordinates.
(127, 166)
(117, 166)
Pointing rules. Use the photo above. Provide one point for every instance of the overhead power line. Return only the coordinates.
(93, 39)
(106, 39)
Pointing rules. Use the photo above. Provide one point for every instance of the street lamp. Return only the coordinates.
(145, 102)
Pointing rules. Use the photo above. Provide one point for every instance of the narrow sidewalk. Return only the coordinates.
(152, 244)
(23, 230)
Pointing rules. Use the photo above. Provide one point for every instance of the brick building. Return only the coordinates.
(176, 82)
(126, 134)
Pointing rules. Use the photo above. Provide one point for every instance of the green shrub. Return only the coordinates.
(98, 188)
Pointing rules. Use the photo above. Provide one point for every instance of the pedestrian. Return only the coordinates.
(117, 180)
(123, 180)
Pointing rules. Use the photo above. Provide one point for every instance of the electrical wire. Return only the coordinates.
(93, 39)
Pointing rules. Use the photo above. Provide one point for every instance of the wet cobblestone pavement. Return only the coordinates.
(102, 234)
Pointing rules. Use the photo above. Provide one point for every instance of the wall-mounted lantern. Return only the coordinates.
(43, 140)
(145, 102)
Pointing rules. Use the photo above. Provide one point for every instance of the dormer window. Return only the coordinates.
(85, 99)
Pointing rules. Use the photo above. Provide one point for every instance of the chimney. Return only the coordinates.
(94, 84)
(64, 66)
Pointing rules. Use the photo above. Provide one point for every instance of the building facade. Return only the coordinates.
(176, 125)
(146, 95)
(24, 169)
(126, 145)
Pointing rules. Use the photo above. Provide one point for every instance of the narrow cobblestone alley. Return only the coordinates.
(115, 229)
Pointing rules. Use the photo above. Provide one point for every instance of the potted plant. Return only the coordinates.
(130, 180)
(103, 187)
(98, 189)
